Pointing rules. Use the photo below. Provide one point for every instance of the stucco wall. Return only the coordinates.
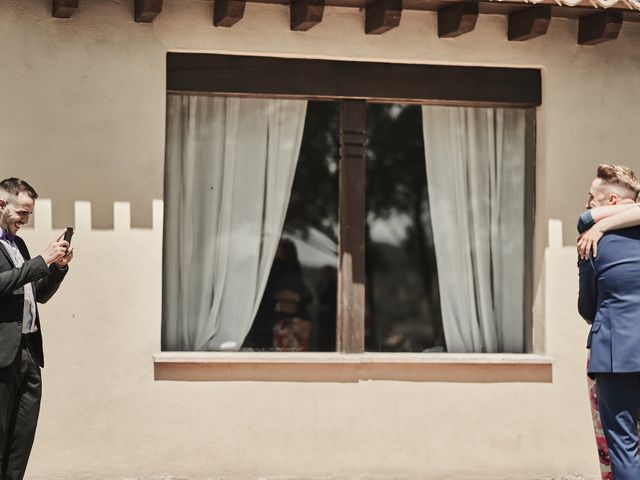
(104, 417)
(82, 118)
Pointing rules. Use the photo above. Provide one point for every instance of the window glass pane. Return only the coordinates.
(402, 299)
(298, 308)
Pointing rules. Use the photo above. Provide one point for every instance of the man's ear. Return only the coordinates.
(3, 203)
(613, 199)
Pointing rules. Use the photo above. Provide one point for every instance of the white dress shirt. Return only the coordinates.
(29, 312)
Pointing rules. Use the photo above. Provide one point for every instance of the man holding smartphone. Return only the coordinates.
(24, 281)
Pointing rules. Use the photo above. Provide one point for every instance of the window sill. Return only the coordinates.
(339, 367)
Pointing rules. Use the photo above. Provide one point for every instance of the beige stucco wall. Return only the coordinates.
(104, 417)
(82, 118)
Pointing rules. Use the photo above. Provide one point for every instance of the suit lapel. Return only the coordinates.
(23, 248)
(7, 254)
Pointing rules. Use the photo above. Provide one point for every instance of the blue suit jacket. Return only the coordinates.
(609, 299)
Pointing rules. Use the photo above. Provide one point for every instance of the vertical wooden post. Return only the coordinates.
(351, 274)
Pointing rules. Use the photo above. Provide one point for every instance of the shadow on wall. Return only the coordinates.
(101, 213)
(84, 217)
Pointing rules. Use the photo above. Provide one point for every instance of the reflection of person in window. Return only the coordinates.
(283, 321)
(292, 321)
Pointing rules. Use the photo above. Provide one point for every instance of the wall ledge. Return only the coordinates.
(339, 367)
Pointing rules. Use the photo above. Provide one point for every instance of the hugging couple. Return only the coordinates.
(609, 300)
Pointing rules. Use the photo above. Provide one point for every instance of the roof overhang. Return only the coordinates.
(599, 20)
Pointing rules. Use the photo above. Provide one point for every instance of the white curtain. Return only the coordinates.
(230, 165)
(475, 175)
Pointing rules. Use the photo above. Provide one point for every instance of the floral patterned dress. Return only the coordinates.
(601, 442)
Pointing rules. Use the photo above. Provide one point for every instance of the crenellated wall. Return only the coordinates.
(104, 417)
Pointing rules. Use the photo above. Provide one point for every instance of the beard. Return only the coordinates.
(8, 224)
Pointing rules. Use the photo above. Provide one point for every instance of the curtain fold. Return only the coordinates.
(230, 165)
(475, 175)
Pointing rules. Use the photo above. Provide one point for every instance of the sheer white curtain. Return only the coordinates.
(475, 174)
(230, 165)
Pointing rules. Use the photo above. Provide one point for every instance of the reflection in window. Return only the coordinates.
(298, 308)
(403, 309)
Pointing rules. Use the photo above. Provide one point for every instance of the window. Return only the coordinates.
(407, 220)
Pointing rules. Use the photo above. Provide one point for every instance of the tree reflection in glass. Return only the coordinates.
(402, 299)
(403, 307)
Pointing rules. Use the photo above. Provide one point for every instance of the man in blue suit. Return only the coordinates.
(609, 299)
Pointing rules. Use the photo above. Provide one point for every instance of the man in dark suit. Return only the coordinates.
(609, 299)
(23, 282)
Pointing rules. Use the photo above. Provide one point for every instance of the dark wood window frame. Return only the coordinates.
(354, 84)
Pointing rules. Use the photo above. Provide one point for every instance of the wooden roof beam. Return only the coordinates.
(598, 28)
(457, 19)
(382, 16)
(64, 8)
(146, 10)
(529, 23)
(305, 14)
(227, 12)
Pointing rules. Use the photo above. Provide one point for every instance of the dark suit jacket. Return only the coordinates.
(609, 299)
(46, 281)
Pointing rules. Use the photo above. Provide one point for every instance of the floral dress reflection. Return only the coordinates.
(291, 318)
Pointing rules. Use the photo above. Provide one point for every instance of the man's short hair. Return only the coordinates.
(621, 177)
(15, 186)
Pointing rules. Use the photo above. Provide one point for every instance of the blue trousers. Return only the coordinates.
(619, 401)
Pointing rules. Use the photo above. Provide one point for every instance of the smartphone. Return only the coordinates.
(68, 233)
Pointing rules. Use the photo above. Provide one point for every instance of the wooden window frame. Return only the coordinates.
(354, 84)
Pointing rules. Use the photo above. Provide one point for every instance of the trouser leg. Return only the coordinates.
(618, 401)
(26, 417)
(9, 382)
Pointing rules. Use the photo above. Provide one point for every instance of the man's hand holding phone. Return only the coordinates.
(68, 256)
(60, 250)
